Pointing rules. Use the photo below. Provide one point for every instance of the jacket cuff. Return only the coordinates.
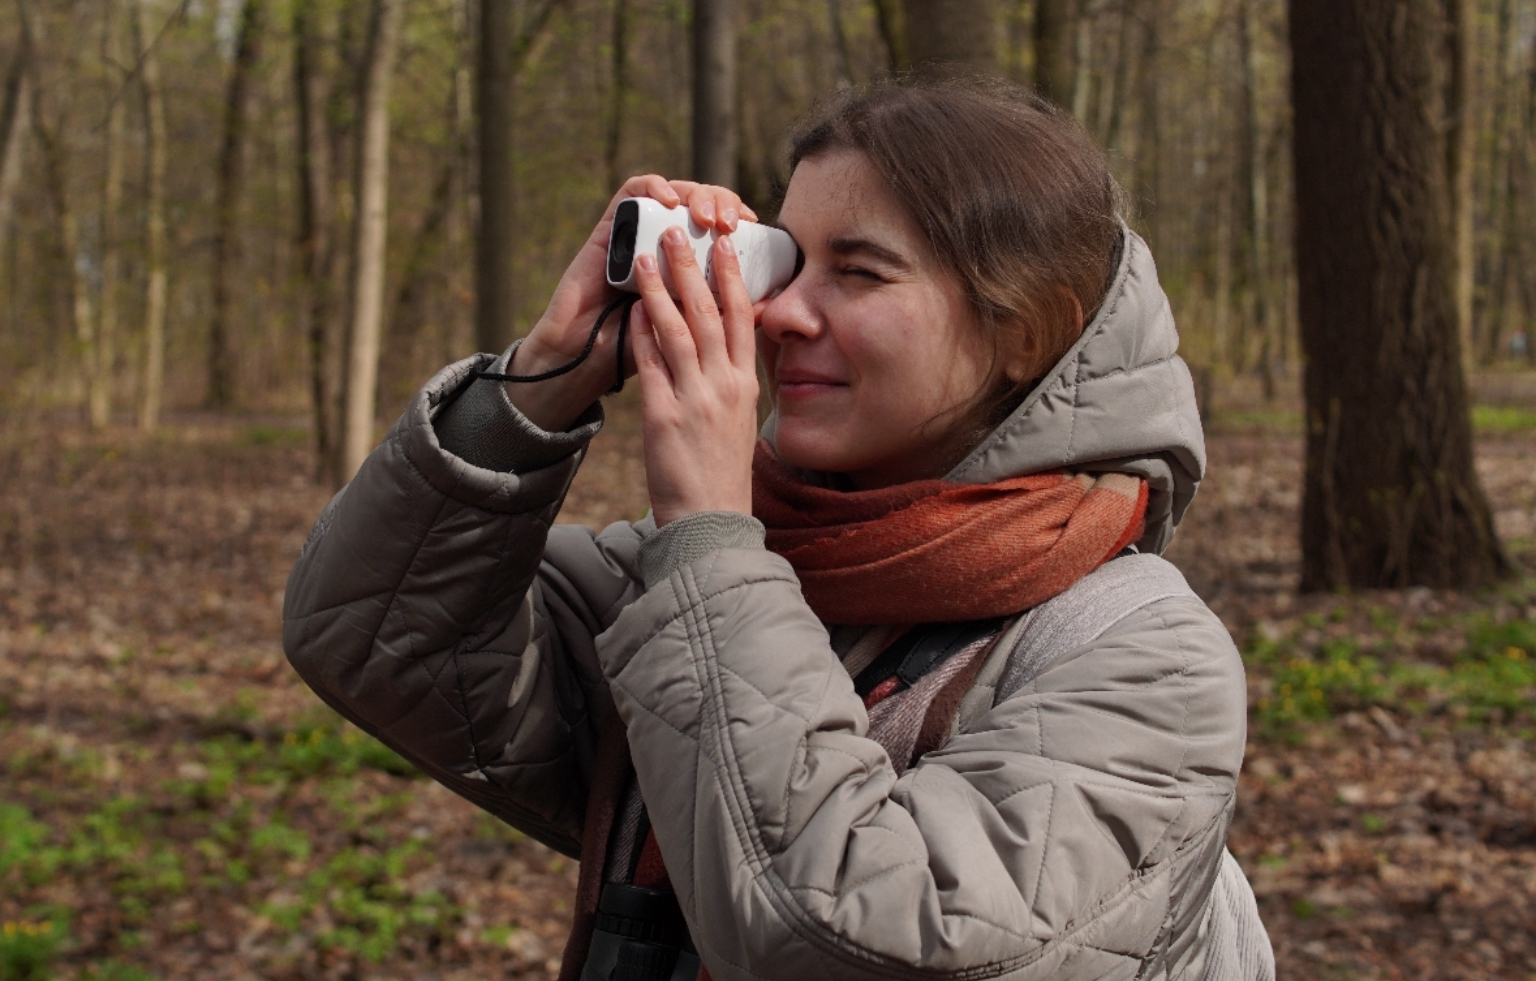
(686, 539)
(483, 428)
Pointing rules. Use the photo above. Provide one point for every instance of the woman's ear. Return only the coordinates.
(1023, 363)
(1016, 369)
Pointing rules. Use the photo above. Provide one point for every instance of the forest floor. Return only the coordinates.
(175, 804)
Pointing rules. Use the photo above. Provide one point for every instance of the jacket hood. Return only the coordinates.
(1121, 400)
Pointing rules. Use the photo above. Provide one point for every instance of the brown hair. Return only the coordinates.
(1010, 193)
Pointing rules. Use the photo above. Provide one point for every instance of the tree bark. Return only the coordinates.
(49, 125)
(100, 380)
(317, 249)
(714, 92)
(948, 36)
(369, 238)
(458, 340)
(1391, 497)
(618, 91)
(1461, 145)
(496, 237)
(71, 269)
(1254, 187)
(15, 121)
(156, 276)
(893, 31)
(230, 183)
(1056, 50)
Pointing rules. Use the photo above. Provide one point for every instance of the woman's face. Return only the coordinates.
(873, 342)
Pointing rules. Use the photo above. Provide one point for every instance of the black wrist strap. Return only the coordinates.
(623, 305)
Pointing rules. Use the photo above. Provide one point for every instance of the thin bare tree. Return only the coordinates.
(230, 184)
(323, 329)
(496, 237)
(946, 36)
(109, 259)
(714, 92)
(156, 288)
(370, 229)
(1056, 50)
(1461, 148)
(15, 122)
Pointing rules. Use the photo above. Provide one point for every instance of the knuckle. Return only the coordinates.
(672, 328)
(702, 307)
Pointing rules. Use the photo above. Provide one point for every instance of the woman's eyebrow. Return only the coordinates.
(849, 246)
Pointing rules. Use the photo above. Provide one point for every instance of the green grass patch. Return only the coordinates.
(114, 970)
(28, 948)
(223, 823)
(1494, 679)
(1503, 419)
(279, 436)
(1279, 421)
(359, 896)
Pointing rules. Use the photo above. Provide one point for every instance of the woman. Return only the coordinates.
(934, 711)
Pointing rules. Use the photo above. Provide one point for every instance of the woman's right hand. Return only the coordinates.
(583, 292)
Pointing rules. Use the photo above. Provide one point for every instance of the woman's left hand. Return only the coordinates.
(698, 382)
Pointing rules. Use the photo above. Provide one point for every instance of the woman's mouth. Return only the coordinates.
(805, 384)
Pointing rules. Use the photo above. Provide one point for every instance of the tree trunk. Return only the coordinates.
(156, 276)
(422, 276)
(369, 238)
(71, 269)
(15, 121)
(49, 125)
(714, 92)
(1254, 188)
(1056, 50)
(618, 92)
(1461, 144)
(842, 57)
(1149, 145)
(1501, 184)
(496, 237)
(945, 36)
(230, 183)
(893, 31)
(323, 329)
(1391, 497)
(458, 340)
(99, 382)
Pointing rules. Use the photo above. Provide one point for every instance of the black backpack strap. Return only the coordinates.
(920, 650)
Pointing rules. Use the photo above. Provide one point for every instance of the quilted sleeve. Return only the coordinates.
(1073, 831)
(436, 608)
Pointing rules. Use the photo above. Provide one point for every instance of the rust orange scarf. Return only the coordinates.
(934, 550)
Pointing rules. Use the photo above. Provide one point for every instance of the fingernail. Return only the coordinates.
(727, 246)
(673, 235)
(646, 262)
(731, 217)
(707, 209)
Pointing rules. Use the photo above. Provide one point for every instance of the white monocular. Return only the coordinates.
(769, 257)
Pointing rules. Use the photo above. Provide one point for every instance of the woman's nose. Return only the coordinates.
(792, 313)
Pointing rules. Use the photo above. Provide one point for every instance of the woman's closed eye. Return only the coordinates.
(860, 272)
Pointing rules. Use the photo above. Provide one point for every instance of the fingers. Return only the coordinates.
(709, 206)
(699, 306)
(714, 207)
(650, 364)
(652, 186)
(672, 334)
(737, 313)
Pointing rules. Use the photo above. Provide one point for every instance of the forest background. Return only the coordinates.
(181, 183)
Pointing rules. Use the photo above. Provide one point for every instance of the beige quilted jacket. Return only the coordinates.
(1073, 830)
